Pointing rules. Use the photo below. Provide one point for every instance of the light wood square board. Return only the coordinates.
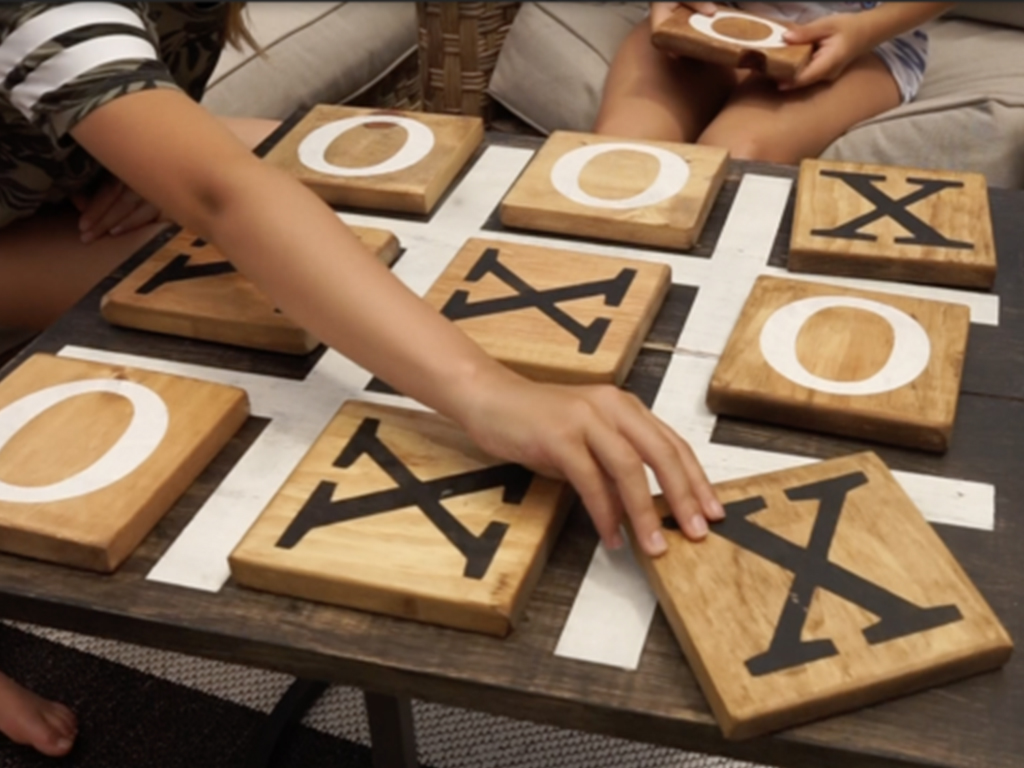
(550, 314)
(93, 455)
(893, 223)
(378, 159)
(823, 590)
(395, 511)
(733, 39)
(188, 288)
(857, 363)
(651, 193)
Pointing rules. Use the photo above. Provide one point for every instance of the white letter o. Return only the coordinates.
(418, 143)
(706, 25)
(673, 173)
(911, 349)
(145, 432)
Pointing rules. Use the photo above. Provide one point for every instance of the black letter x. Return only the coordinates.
(812, 569)
(179, 269)
(589, 336)
(885, 206)
(319, 510)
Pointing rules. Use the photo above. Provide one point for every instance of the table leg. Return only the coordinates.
(287, 714)
(392, 731)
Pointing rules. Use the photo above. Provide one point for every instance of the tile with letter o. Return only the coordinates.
(823, 590)
(653, 193)
(733, 39)
(395, 511)
(552, 315)
(893, 223)
(93, 455)
(863, 364)
(378, 159)
(188, 288)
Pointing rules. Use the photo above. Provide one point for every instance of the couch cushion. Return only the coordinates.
(1006, 13)
(315, 53)
(965, 118)
(552, 68)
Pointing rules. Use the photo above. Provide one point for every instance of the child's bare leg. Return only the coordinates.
(45, 268)
(648, 95)
(762, 123)
(28, 719)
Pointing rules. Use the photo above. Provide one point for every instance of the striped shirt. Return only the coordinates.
(60, 62)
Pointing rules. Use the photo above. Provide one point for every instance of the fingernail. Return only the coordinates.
(715, 510)
(699, 526)
(658, 543)
(63, 743)
(115, 231)
(87, 237)
(614, 542)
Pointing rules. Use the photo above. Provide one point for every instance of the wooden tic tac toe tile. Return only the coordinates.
(857, 363)
(552, 315)
(395, 511)
(823, 590)
(93, 455)
(733, 39)
(188, 288)
(893, 223)
(645, 192)
(386, 160)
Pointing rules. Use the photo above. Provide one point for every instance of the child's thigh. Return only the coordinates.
(650, 95)
(762, 123)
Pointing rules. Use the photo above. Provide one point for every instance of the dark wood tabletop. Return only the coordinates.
(976, 723)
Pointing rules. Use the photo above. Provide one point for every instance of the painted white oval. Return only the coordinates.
(911, 349)
(144, 434)
(419, 141)
(673, 174)
(706, 25)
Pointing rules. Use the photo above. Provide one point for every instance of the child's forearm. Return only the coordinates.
(888, 20)
(290, 243)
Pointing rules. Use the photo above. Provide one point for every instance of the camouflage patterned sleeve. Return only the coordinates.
(60, 62)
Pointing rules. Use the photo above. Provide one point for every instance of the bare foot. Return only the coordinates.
(29, 719)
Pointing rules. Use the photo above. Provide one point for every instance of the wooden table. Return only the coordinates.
(971, 724)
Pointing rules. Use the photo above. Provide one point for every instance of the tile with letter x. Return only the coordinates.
(552, 315)
(733, 39)
(188, 288)
(378, 159)
(823, 590)
(395, 511)
(93, 455)
(893, 223)
(863, 364)
(644, 192)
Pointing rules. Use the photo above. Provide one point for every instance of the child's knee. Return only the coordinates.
(752, 145)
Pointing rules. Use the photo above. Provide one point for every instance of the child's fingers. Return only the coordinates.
(699, 484)
(624, 465)
(595, 491)
(143, 214)
(707, 9)
(674, 465)
(122, 207)
(108, 194)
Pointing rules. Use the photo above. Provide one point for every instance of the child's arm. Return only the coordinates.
(843, 37)
(175, 154)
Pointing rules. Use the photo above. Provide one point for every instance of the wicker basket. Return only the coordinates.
(399, 89)
(458, 48)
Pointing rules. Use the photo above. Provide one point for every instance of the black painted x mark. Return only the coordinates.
(922, 233)
(319, 510)
(527, 297)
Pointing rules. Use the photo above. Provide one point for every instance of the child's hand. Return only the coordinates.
(598, 438)
(113, 209)
(661, 11)
(839, 40)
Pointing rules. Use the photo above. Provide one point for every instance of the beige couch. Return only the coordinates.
(969, 114)
(314, 53)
